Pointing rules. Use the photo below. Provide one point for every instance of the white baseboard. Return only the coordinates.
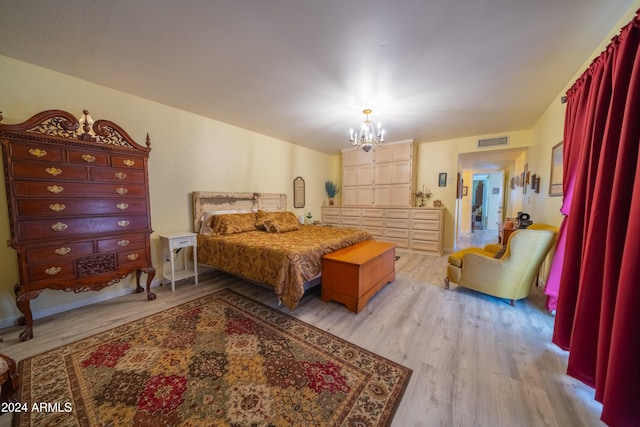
(93, 298)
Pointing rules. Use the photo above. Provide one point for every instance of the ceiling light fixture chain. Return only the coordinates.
(369, 135)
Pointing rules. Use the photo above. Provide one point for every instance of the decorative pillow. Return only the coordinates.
(233, 223)
(282, 222)
(263, 216)
(205, 219)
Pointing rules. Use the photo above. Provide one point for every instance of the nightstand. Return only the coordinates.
(175, 242)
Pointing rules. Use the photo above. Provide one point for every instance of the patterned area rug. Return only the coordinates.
(221, 360)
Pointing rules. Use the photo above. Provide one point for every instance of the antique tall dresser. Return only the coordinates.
(78, 197)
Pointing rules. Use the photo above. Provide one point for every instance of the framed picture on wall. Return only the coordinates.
(442, 179)
(555, 183)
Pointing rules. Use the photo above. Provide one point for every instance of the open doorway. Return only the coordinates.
(479, 203)
(484, 195)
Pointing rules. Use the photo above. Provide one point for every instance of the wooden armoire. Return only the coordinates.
(78, 197)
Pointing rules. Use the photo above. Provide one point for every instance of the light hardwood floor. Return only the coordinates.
(476, 360)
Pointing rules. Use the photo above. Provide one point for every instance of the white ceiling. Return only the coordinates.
(303, 70)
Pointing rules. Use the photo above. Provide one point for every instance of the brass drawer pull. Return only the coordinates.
(122, 206)
(53, 171)
(37, 152)
(52, 271)
(128, 162)
(121, 175)
(63, 251)
(121, 190)
(123, 223)
(88, 158)
(132, 257)
(123, 243)
(55, 189)
(57, 207)
(59, 226)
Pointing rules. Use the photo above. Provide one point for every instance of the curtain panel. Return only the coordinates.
(598, 312)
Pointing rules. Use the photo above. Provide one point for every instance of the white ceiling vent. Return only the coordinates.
(490, 142)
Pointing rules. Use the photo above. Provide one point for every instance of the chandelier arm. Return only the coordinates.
(369, 135)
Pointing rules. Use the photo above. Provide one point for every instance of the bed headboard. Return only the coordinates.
(204, 201)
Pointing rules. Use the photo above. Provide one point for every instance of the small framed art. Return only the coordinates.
(555, 184)
(442, 179)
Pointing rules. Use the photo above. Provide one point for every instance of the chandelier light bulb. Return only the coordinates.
(369, 135)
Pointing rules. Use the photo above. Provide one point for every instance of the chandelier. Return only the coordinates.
(368, 135)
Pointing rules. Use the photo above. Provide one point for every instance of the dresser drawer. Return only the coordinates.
(376, 232)
(397, 213)
(128, 241)
(133, 256)
(426, 214)
(36, 152)
(79, 206)
(58, 172)
(351, 212)
(425, 225)
(397, 232)
(426, 235)
(372, 222)
(52, 271)
(182, 242)
(117, 175)
(129, 162)
(350, 220)
(397, 223)
(401, 243)
(85, 157)
(426, 246)
(62, 228)
(376, 213)
(76, 189)
(58, 251)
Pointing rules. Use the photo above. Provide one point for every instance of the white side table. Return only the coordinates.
(170, 243)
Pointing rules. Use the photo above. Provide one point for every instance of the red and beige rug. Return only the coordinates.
(221, 360)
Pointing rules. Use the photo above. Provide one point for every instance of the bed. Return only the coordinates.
(252, 236)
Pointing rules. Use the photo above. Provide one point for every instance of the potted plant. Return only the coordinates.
(332, 190)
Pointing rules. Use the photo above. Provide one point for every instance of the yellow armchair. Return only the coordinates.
(509, 276)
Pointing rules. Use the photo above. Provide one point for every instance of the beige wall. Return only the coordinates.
(189, 153)
(442, 156)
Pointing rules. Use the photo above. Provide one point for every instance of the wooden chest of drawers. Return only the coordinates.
(78, 205)
(409, 228)
(354, 274)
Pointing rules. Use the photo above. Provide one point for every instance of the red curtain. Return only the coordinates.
(598, 311)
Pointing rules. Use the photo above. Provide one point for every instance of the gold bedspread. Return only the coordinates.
(283, 260)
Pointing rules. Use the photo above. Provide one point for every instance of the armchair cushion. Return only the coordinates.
(456, 257)
(494, 247)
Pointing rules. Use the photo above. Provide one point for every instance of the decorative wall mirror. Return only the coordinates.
(298, 192)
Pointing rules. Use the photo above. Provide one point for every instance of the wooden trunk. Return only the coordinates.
(354, 274)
